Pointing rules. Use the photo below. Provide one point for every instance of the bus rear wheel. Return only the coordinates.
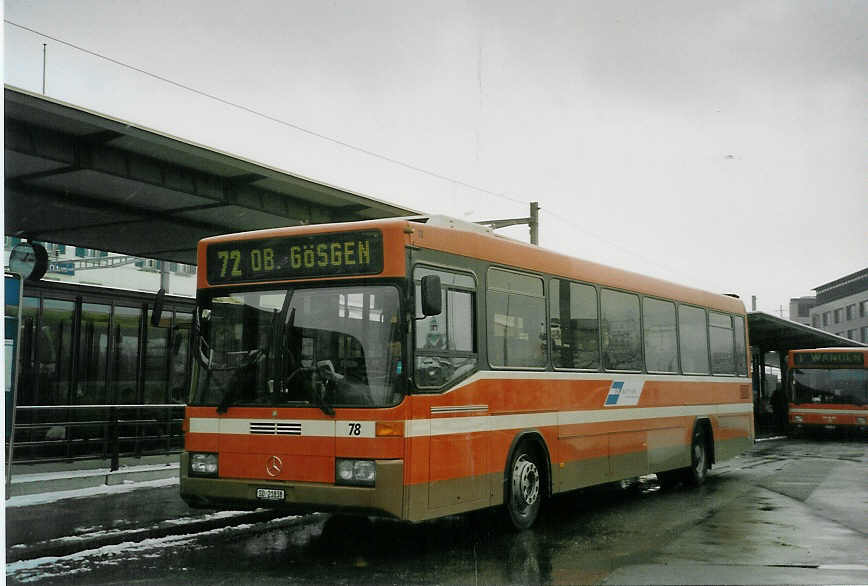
(524, 487)
(699, 459)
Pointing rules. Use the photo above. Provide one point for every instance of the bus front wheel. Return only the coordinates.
(525, 487)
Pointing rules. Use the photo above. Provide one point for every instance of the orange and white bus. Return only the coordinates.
(828, 389)
(422, 367)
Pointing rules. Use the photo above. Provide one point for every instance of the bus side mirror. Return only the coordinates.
(157, 312)
(432, 302)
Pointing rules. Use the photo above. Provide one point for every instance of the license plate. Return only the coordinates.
(270, 494)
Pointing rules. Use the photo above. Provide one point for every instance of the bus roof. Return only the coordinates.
(475, 241)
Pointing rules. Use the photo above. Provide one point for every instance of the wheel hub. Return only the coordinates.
(525, 482)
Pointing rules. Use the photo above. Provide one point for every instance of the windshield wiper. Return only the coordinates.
(253, 356)
(320, 402)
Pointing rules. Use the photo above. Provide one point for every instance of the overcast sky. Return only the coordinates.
(723, 145)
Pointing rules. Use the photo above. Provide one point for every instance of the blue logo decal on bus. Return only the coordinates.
(614, 392)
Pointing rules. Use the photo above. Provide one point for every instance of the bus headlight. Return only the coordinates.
(797, 418)
(860, 420)
(203, 464)
(355, 472)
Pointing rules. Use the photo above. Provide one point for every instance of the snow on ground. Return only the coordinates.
(85, 561)
(89, 534)
(104, 489)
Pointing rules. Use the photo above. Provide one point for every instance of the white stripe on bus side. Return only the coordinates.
(608, 376)
(454, 425)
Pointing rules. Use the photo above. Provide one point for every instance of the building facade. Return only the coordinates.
(842, 307)
(800, 309)
(86, 266)
(96, 379)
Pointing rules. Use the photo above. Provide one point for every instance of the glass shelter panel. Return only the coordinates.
(93, 354)
(55, 351)
(179, 358)
(125, 353)
(156, 367)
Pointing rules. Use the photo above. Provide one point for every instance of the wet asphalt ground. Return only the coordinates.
(787, 511)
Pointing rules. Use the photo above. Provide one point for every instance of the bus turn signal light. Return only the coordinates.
(390, 428)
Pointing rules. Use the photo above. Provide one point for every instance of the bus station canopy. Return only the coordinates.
(79, 178)
(769, 332)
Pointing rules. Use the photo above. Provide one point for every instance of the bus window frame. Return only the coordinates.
(410, 343)
(678, 369)
(731, 329)
(643, 369)
(707, 341)
(547, 363)
(548, 297)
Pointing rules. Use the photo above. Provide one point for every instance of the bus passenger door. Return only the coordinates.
(457, 476)
(445, 354)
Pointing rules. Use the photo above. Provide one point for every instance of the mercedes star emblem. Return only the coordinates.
(274, 466)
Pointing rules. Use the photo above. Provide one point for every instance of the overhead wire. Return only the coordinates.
(271, 118)
(558, 216)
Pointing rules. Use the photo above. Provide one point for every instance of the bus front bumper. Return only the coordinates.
(385, 498)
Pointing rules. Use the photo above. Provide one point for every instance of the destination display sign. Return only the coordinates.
(315, 255)
(806, 359)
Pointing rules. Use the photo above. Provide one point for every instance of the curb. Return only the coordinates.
(37, 483)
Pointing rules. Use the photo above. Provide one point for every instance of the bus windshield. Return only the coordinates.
(324, 347)
(822, 385)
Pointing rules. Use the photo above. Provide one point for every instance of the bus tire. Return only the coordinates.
(525, 487)
(699, 458)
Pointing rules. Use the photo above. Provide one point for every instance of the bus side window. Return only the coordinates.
(446, 343)
(693, 340)
(622, 333)
(574, 325)
(517, 334)
(661, 343)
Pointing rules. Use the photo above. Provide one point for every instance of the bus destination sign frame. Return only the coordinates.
(826, 359)
(334, 254)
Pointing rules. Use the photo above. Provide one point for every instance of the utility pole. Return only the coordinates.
(44, 50)
(532, 221)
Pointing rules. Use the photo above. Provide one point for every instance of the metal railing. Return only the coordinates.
(62, 433)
